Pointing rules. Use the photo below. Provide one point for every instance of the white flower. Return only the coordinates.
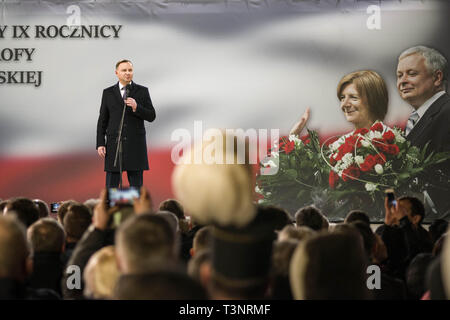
(365, 143)
(335, 145)
(378, 168)
(370, 186)
(294, 138)
(347, 159)
(359, 159)
(257, 189)
(399, 138)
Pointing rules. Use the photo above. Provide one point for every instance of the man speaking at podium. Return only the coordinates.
(121, 137)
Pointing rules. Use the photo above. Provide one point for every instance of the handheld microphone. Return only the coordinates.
(127, 90)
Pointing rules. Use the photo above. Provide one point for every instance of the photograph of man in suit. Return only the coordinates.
(422, 75)
(134, 147)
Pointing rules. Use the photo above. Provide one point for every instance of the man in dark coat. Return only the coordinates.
(422, 75)
(138, 108)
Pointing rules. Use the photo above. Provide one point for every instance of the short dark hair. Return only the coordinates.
(281, 217)
(416, 275)
(122, 61)
(333, 267)
(417, 207)
(160, 285)
(77, 219)
(25, 210)
(46, 235)
(357, 215)
(42, 206)
(62, 210)
(173, 206)
(311, 217)
(203, 238)
(367, 235)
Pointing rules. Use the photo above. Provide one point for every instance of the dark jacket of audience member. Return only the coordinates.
(13, 262)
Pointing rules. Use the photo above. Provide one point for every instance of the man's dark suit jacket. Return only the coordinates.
(133, 133)
(434, 127)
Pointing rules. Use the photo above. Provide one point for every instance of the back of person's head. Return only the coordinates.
(216, 189)
(417, 207)
(329, 266)
(46, 235)
(295, 233)
(143, 243)
(281, 216)
(357, 215)
(242, 259)
(13, 248)
(76, 221)
(43, 208)
(91, 203)
(101, 274)
(171, 219)
(159, 285)
(416, 275)
(437, 228)
(367, 235)
(2, 205)
(24, 209)
(199, 266)
(281, 259)
(311, 217)
(173, 206)
(202, 240)
(281, 256)
(62, 210)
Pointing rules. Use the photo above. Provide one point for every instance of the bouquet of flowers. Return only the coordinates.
(345, 173)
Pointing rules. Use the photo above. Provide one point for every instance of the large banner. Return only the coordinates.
(226, 64)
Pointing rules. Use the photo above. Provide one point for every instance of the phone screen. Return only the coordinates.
(391, 198)
(118, 196)
(54, 207)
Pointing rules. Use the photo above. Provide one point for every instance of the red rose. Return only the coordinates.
(333, 179)
(380, 144)
(392, 149)
(368, 163)
(351, 173)
(380, 158)
(361, 131)
(389, 136)
(377, 127)
(305, 139)
(289, 146)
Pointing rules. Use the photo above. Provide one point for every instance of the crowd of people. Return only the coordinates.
(196, 247)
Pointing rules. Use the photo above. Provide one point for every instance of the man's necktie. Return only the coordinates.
(411, 122)
(124, 94)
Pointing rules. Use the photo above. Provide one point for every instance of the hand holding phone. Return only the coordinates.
(391, 197)
(124, 196)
